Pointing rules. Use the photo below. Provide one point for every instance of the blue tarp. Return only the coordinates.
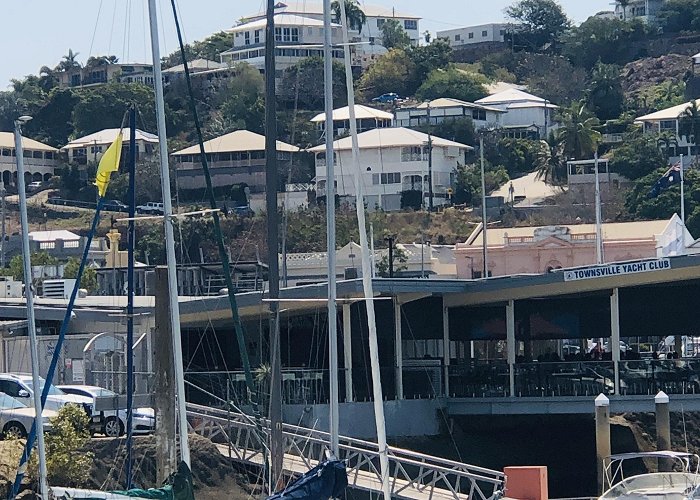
(327, 480)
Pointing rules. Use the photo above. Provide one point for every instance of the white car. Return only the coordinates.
(112, 423)
(20, 387)
(16, 419)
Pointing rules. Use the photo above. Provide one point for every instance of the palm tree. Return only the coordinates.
(577, 133)
(667, 141)
(354, 13)
(624, 4)
(551, 163)
(689, 125)
(69, 61)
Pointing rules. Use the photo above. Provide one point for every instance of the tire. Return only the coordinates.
(113, 427)
(14, 430)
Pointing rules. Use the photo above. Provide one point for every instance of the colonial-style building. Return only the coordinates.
(470, 35)
(235, 158)
(526, 115)
(445, 109)
(91, 147)
(366, 118)
(393, 161)
(667, 122)
(104, 73)
(40, 160)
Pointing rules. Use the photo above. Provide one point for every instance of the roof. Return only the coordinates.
(389, 138)
(60, 234)
(107, 136)
(316, 8)
(361, 112)
(240, 140)
(497, 87)
(195, 65)
(533, 189)
(7, 140)
(281, 20)
(511, 95)
(611, 231)
(667, 114)
(449, 102)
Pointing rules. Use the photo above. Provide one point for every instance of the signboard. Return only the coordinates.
(78, 371)
(610, 270)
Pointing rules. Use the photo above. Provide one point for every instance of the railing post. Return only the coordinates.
(347, 352)
(446, 347)
(510, 344)
(602, 437)
(398, 349)
(615, 335)
(663, 428)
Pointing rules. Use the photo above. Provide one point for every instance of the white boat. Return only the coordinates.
(682, 483)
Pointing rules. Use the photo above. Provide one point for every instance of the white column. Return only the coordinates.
(446, 346)
(398, 349)
(347, 352)
(615, 334)
(510, 344)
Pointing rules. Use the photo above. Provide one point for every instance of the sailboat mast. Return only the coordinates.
(169, 235)
(131, 240)
(367, 268)
(271, 185)
(29, 295)
(333, 417)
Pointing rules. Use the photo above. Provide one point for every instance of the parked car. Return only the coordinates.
(387, 98)
(34, 186)
(20, 387)
(115, 206)
(151, 208)
(16, 418)
(112, 423)
(243, 211)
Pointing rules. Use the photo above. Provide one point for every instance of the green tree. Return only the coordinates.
(400, 260)
(453, 83)
(468, 182)
(541, 23)
(604, 95)
(637, 156)
(69, 61)
(241, 101)
(552, 76)
(68, 462)
(394, 36)
(689, 123)
(37, 259)
(303, 84)
(353, 12)
(641, 206)
(551, 161)
(577, 134)
(89, 278)
(519, 156)
(679, 15)
(390, 73)
(427, 58)
(459, 130)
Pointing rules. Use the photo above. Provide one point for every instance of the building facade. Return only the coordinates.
(469, 35)
(445, 109)
(666, 122)
(91, 147)
(99, 75)
(40, 160)
(235, 158)
(536, 250)
(645, 10)
(393, 161)
(366, 118)
(526, 115)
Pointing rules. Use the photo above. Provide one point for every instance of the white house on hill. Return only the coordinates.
(392, 160)
(526, 115)
(367, 118)
(92, 146)
(667, 121)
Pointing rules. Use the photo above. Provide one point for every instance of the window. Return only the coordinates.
(10, 387)
(479, 114)
(380, 23)
(36, 154)
(484, 34)
(287, 35)
(471, 35)
(458, 38)
(386, 178)
(278, 34)
(503, 32)
(414, 153)
(410, 24)
(246, 36)
(667, 124)
(257, 36)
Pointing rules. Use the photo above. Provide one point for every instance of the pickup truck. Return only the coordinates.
(151, 208)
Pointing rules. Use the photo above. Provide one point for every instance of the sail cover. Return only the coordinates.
(327, 480)
(176, 487)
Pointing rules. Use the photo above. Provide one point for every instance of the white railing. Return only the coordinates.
(412, 474)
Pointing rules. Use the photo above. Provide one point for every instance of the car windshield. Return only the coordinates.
(8, 402)
(103, 393)
(53, 390)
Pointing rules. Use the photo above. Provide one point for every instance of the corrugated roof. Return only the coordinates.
(508, 96)
(361, 112)
(281, 20)
(496, 87)
(107, 136)
(611, 231)
(7, 140)
(389, 138)
(240, 140)
(195, 65)
(667, 114)
(60, 234)
(316, 8)
(449, 102)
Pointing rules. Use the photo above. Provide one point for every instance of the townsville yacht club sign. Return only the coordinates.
(609, 270)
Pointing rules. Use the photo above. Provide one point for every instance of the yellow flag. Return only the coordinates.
(108, 163)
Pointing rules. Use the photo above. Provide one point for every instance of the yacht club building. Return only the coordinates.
(40, 160)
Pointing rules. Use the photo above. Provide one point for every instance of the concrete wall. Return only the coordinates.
(357, 419)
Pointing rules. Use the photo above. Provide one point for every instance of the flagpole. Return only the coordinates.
(682, 192)
(598, 216)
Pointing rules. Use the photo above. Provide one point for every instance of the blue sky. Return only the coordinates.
(39, 32)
